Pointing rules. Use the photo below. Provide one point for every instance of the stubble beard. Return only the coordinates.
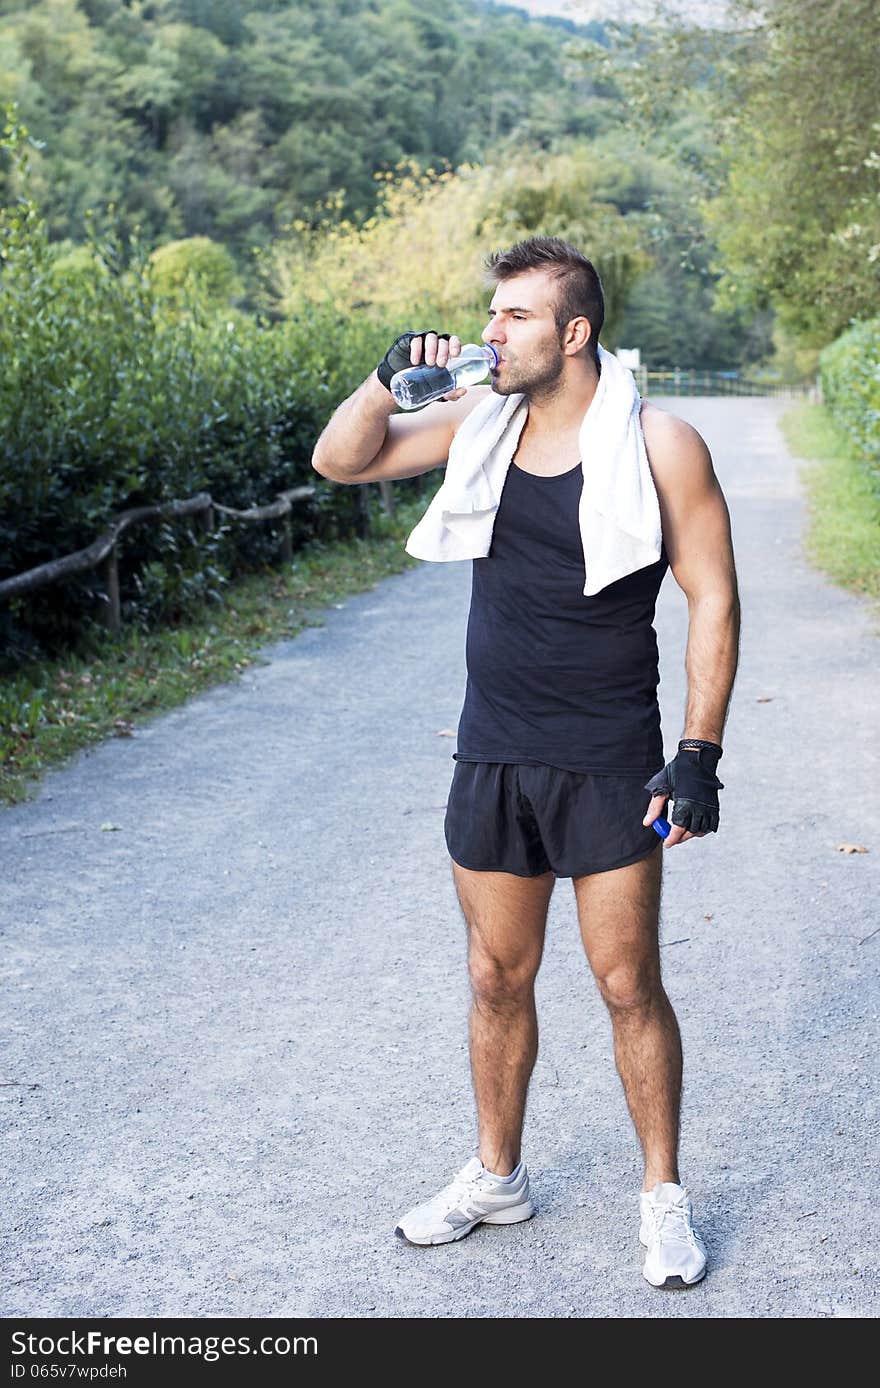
(540, 384)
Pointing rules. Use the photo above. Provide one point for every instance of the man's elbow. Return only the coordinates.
(321, 466)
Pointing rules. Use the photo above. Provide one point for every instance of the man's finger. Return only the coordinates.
(655, 808)
(681, 835)
(676, 835)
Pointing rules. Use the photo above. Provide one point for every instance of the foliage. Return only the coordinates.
(107, 402)
(799, 222)
(196, 265)
(843, 497)
(231, 119)
(245, 122)
(850, 372)
(420, 257)
(791, 179)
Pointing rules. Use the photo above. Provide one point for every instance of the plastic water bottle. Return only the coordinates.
(419, 385)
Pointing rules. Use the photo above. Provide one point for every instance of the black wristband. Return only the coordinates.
(696, 742)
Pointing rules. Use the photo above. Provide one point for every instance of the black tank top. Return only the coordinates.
(555, 678)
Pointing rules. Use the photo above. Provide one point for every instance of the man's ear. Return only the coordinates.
(577, 335)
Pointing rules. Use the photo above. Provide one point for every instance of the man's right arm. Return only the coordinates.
(366, 441)
(355, 432)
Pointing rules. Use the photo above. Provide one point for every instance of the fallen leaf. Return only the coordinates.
(709, 917)
(851, 848)
(447, 732)
(108, 828)
(767, 699)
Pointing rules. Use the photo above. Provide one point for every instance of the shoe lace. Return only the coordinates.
(457, 1192)
(672, 1222)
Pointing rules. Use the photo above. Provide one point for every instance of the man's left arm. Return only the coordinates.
(696, 532)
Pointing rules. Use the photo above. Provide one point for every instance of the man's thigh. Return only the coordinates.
(506, 915)
(619, 914)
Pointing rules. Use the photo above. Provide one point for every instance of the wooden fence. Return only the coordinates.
(102, 552)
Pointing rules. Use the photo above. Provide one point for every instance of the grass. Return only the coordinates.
(52, 709)
(843, 494)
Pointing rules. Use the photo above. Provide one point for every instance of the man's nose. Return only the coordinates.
(492, 332)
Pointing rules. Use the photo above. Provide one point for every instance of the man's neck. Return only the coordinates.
(562, 411)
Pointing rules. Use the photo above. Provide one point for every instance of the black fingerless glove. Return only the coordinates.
(397, 357)
(691, 782)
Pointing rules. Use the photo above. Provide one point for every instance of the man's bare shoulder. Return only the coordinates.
(665, 428)
(677, 452)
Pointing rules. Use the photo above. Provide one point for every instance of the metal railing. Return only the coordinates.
(681, 382)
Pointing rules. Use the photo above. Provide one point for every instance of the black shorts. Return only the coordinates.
(509, 817)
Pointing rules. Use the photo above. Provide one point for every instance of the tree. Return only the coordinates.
(798, 224)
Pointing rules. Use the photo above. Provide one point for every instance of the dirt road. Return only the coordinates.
(236, 1022)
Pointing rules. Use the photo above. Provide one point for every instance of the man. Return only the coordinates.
(561, 726)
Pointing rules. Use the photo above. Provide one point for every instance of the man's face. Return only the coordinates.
(523, 332)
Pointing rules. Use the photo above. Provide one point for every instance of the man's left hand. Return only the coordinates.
(692, 784)
(676, 833)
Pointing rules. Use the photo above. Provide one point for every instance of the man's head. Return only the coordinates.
(547, 311)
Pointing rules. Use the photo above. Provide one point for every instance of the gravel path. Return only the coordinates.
(235, 1046)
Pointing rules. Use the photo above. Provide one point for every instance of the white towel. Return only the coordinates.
(619, 513)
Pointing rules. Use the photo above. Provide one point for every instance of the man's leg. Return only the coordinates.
(619, 915)
(506, 916)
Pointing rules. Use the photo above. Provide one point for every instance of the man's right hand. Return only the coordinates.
(412, 348)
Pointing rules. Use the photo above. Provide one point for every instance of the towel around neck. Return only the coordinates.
(618, 513)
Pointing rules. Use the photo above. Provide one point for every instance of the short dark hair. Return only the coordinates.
(580, 289)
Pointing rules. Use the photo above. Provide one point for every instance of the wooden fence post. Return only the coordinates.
(386, 491)
(361, 512)
(110, 571)
(286, 539)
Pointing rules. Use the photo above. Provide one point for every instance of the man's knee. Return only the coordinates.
(501, 984)
(629, 987)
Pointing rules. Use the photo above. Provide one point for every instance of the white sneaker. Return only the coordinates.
(676, 1253)
(472, 1198)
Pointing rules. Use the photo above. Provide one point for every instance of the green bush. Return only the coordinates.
(111, 397)
(196, 262)
(850, 373)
